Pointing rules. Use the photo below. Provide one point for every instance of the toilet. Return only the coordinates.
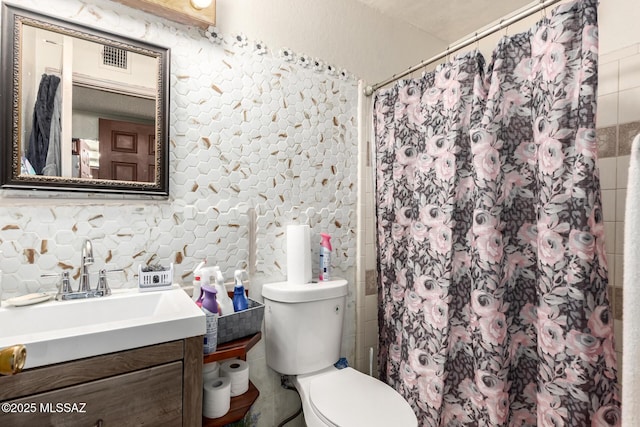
(303, 332)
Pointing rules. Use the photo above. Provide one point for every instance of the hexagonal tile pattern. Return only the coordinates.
(248, 133)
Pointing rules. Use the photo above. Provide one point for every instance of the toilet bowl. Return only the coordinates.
(346, 397)
(303, 331)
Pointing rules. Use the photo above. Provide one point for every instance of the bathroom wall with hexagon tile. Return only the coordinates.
(260, 138)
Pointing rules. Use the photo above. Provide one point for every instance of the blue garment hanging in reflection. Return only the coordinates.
(42, 113)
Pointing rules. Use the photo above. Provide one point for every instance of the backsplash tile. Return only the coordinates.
(627, 132)
(371, 285)
(617, 303)
(607, 141)
(247, 131)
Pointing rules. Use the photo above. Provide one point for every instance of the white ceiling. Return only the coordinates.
(447, 20)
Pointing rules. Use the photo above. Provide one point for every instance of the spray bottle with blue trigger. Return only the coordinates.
(240, 301)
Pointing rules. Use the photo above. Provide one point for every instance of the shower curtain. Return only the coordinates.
(492, 271)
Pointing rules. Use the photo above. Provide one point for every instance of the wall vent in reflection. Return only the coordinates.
(114, 57)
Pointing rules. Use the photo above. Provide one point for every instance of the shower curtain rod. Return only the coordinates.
(369, 90)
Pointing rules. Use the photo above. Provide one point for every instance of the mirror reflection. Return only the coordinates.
(88, 108)
(109, 95)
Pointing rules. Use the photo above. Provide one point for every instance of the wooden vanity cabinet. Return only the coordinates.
(159, 385)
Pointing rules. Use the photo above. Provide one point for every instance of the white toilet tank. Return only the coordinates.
(303, 325)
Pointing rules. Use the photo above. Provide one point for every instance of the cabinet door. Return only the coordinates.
(150, 397)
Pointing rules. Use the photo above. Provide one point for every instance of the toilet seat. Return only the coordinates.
(348, 398)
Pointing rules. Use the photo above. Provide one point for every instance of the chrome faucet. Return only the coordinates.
(84, 286)
(87, 259)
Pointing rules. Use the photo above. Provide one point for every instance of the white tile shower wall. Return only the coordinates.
(248, 131)
(618, 122)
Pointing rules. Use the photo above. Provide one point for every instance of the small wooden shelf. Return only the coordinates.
(240, 405)
(236, 348)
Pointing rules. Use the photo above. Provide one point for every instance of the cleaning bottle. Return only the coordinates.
(225, 305)
(210, 309)
(240, 301)
(325, 257)
(197, 294)
(205, 279)
(197, 290)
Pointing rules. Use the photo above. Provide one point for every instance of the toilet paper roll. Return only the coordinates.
(298, 254)
(216, 399)
(210, 371)
(238, 373)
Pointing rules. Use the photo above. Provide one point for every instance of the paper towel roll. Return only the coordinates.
(211, 371)
(298, 254)
(216, 399)
(238, 373)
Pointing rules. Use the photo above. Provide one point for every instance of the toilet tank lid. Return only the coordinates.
(286, 292)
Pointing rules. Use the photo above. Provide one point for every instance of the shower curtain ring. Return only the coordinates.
(504, 27)
(543, 8)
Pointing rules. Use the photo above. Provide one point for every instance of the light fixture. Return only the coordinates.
(200, 4)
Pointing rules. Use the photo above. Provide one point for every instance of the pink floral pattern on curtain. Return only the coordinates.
(492, 269)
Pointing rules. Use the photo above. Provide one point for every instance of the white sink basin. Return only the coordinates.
(58, 331)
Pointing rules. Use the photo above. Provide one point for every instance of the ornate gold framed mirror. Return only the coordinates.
(83, 110)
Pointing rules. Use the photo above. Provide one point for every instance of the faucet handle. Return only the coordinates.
(64, 287)
(103, 286)
(65, 283)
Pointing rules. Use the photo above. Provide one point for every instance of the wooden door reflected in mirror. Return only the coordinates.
(127, 151)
